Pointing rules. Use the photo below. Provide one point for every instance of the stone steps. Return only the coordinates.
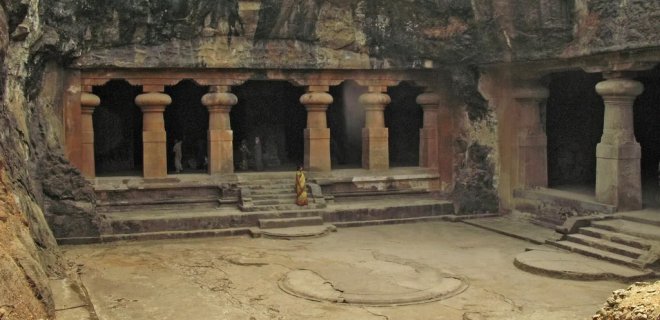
(174, 220)
(641, 217)
(631, 228)
(623, 239)
(281, 207)
(169, 204)
(290, 222)
(606, 245)
(292, 233)
(596, 253)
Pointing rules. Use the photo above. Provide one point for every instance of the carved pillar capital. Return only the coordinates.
(89, 101)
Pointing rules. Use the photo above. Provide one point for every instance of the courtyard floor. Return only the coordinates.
(239, 278)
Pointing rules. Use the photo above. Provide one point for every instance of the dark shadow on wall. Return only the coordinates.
(346, 120)
(288, 19)
(647, 132)
(404, 118)
(270, 110)
(117, 129)
(187, 119)
(574, 125)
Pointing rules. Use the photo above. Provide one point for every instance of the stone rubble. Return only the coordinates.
(640, 301)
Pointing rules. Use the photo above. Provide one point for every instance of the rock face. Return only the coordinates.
(39, 40)
(639, 301)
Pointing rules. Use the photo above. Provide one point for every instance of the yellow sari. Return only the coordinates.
(301, 189)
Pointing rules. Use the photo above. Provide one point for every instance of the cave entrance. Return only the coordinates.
(404, 117)
(186, 119)
(117, 130)
(346, 120)
(574, 126)
(270, 111)
(647, 132)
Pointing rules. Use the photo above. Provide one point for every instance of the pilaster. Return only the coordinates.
(88, 102)
(531, 138)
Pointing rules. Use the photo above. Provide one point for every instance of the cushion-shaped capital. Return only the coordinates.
(375, 99)
(428, 99)
(316, 98)
(219, 99)
(153, 99)
(619, 87)
(89, 100)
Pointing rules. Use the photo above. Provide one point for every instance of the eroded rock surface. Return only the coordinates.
(639, 301)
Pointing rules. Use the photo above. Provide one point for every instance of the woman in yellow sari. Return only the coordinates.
(301, 187)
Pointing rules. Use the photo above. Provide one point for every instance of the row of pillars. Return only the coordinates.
(375, 136)
(618, 155)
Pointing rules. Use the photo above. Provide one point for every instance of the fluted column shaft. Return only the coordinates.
(88, 103)
(220, 135)
(154, 137)
(317, 133)
(532, 140)
(375, 147)
(618, 168)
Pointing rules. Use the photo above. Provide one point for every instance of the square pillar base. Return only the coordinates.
(533, 160)
(618, 176)
(317, 149)
(428, 148)
(375, 149)
(154, 154)
(221, 151)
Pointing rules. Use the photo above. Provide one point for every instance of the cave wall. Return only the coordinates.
(40, 39)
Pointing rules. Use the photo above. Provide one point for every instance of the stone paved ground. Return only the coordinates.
(236, 278)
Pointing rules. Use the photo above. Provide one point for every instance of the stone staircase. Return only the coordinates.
(306, 226)
(276, 194)
(631, 239)
(195, 197)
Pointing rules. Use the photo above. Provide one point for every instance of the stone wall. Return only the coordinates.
(35, 177)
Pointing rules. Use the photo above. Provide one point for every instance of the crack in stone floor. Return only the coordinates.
(237, 278)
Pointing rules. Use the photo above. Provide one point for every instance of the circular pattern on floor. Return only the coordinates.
(373, 283)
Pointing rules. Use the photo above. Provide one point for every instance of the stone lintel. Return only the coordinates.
(620, 152)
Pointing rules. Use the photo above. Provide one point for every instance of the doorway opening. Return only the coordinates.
(346, 120)
(187, 120)
(647, 131)
(404, 117)
(268, 124)
(117, 130)
(574, 125)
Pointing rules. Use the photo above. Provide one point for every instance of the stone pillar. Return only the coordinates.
(317, 133)
(88, 102)
(375, 148)
(428, 135)
(531, 138)
(220, 136)
(154, 138)
(618, 172)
